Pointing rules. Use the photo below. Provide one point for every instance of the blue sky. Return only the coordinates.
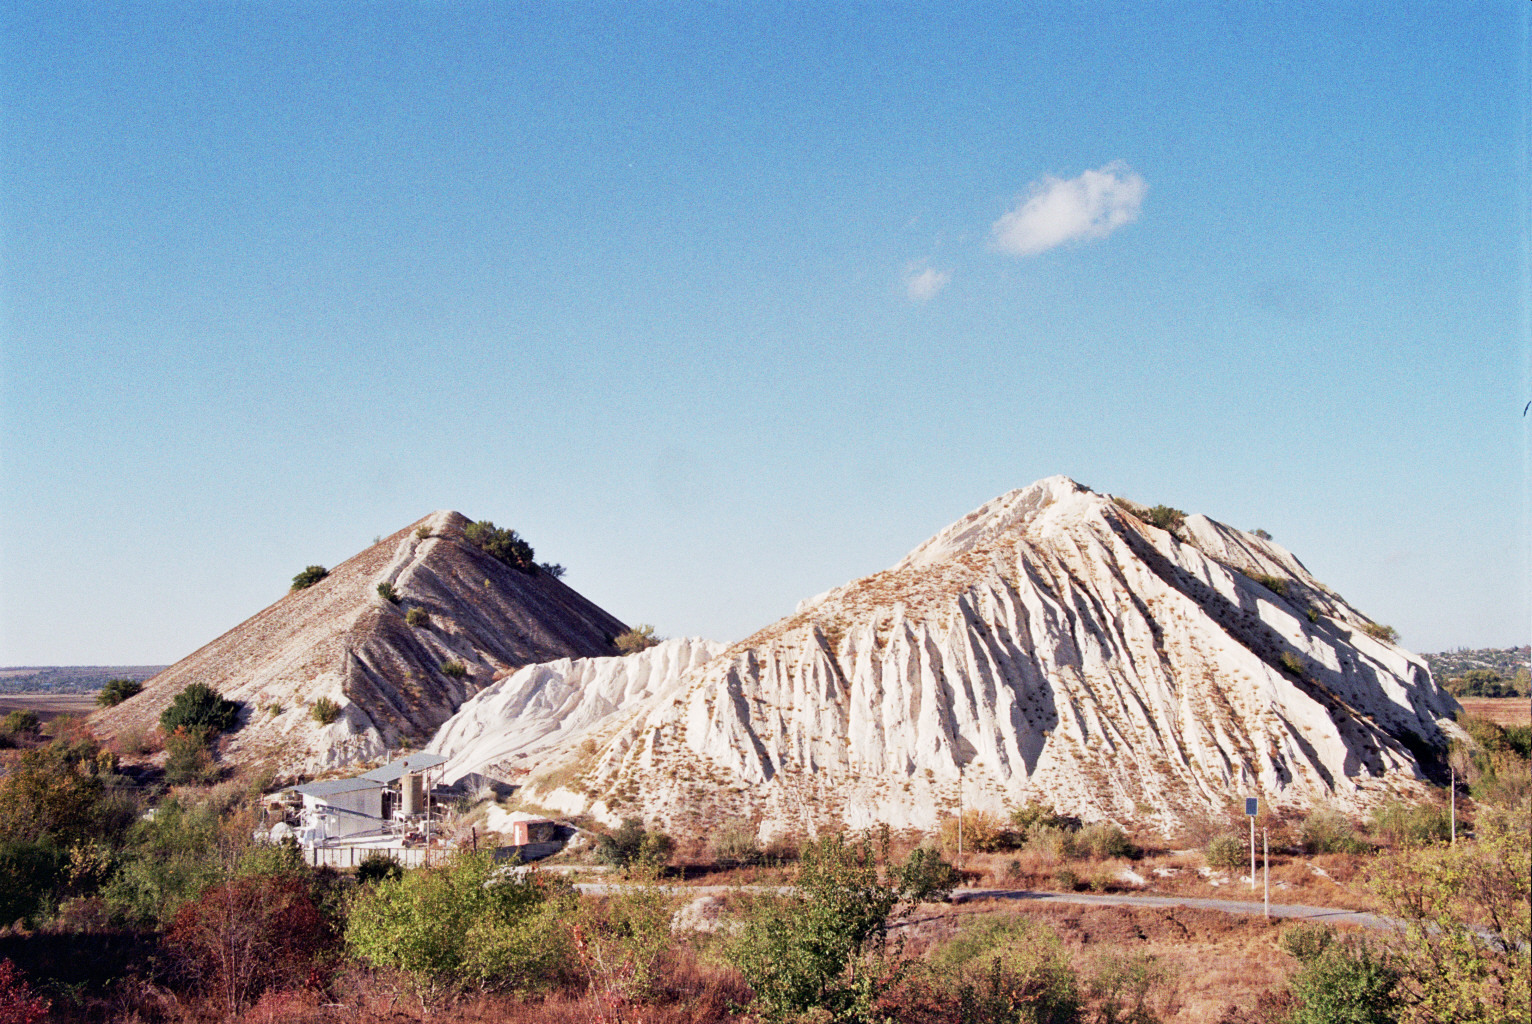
(724, 305)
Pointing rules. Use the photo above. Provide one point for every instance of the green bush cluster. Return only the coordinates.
(199, 707)
(324, 711)
(21, 723)
(503, 545)
(417, 617)
(464, 924)
(454, 669)
(115, 691)
(309, 576)
(631, 843)
(387, 592)
(1325, 830)
(1276, 584)
(1378, 631)
(1227, 853)
(1411, 824)
(1165, 517)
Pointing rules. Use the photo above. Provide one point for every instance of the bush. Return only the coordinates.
(199, 707)
(378, 867)
(46, 794)
(1007, 971)
(1328, 831)
(22, 723)
(324, 711)
(1101, 840)
(1276, 584)
(1227, 853)
(417, 617)
(387, 592)
(1122, 985)
(189, 761)
(735, 843)
(118, 690)
(1406, 824)
(309, 576)
(1346, 983)
(1066, 879)
(640, 637)
(982, 833)
(925, 878)
(454, 669)
(250, 934)
(503, 545)
(1036, 815)
(422, 533)
(1378, 631)
(821, 945)
(1305, 942)
(465, 923)
(18, 1003)
(622, 942)
(632, 844)
(552, 569)
(1165, 517)
(1291, 664)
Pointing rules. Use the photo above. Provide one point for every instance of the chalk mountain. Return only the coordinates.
(1052, 645)
(341, 640)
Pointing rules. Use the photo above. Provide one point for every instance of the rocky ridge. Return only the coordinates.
(340, 639)
(1052, 645)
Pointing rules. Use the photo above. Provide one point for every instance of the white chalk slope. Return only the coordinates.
(1050, 645)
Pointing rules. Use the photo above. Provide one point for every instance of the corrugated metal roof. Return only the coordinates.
(395, 770)
(332, 787)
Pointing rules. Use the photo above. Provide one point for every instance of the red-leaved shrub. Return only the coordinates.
(251, 934)
(18, 1003)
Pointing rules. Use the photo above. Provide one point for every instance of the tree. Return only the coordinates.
(823, 945)
(199, 706)
(504, 545)
(1465, 956)
(249, 934)
(309, 576)
(464, 923)
(640, 638)
(118, 690)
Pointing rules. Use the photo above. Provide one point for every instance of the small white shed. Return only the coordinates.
(343, 807)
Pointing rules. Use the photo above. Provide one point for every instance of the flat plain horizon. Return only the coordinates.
(723, 307)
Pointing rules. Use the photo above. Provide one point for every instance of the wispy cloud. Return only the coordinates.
(923, 284)
(1059, 210)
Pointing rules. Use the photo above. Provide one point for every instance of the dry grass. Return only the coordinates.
(1500, 710)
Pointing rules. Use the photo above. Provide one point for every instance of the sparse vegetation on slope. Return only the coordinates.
(309, 576)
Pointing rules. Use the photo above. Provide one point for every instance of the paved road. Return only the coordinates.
(1328, 915)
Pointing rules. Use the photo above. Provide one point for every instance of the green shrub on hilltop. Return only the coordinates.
(503, 545)
(324, 711)
(1378, 631)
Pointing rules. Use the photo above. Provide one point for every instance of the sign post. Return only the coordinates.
(1252, 805)
(1266, 869)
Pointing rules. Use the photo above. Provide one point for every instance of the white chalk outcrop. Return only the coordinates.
(1052, 645)
(502, 732)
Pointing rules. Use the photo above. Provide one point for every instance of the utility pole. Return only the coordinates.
(1454, 771)
(960, 817)
(1266, 869)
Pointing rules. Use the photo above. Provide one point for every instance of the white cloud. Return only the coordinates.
(1059, 210)
(924, 284)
